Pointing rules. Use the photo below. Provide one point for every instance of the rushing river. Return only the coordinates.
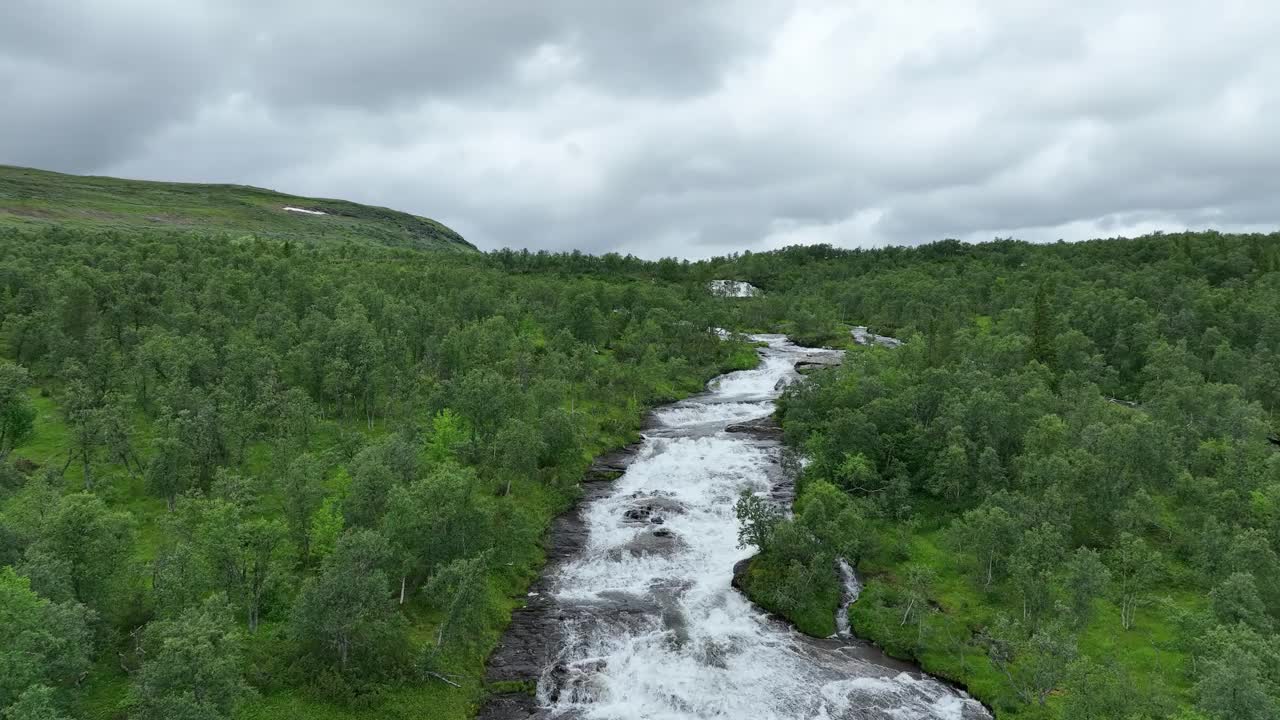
(645, 621)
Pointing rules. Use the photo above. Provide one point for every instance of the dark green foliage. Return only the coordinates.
(192, 667)
(16, 414)
(37, 702)
(361, 445)
(45, 644)
(345, 621)
(231, 410)
(1074, 437)
(466, 598)
(88, 546)
(758, 521)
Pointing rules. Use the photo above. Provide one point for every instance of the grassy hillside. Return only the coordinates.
(37, 197)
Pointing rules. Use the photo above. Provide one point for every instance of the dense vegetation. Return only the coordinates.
(262, 479)
(1061, 491)
(38, 198)
(261, 464)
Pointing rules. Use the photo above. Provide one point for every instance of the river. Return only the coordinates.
(635, 616)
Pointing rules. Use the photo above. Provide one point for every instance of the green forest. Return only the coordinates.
(255, 474)
(248, 478)
(1063, 490)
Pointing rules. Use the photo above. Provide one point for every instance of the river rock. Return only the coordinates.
(658, 501)
(533, 637)
(575, 680)
(765, 427)
(659, 541)
(740, 569)
(612, 464)
(650, 509)
(618, 602)
(817, 363)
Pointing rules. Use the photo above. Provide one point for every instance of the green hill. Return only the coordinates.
(37, 197)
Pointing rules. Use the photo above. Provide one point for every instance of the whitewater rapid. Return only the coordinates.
(649, 625)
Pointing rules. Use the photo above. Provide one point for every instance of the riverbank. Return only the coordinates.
(640, 618)
(518, 657)
(1029, 646)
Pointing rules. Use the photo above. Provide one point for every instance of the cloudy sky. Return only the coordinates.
(674, 127)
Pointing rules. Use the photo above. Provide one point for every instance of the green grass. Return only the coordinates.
(816, 613)
(1147, 651)
(960, 608)
(39, 198)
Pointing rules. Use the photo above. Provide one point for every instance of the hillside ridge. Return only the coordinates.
(33, 197)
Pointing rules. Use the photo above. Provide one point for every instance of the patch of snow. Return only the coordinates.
(732, 289)
(290, 208)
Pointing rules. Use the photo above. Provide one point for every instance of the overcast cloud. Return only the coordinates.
(674, 128)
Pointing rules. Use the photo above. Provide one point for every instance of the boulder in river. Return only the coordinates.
(765, 427)
(658, 541)
(644, 514)
(817, 362)
(740, 569)
(658, 501)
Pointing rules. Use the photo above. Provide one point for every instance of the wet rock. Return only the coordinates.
(740, 569)
(617, 602)
(817, 363)
(574, 682)
(533, 638)
(659, 541)
(765, 427)
(651, 509)
(529, 643)
(611, 465)
(643, 514)
(783, 381)
(674, 620)
(658, 501)
(783, 492)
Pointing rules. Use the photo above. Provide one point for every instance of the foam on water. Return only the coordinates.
(672, 640)
(693, 413)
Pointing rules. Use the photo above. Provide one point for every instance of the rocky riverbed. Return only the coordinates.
(635, 615)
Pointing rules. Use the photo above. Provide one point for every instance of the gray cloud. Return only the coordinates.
(689, 128)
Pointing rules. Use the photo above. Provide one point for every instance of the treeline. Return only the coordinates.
(1061, 490)
(237, 474)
